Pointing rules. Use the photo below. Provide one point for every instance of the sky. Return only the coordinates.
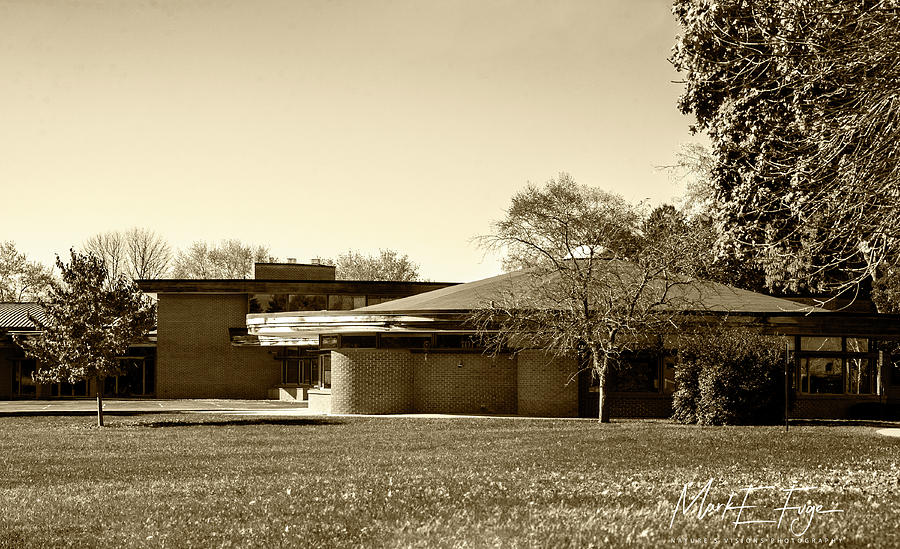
(316, 127)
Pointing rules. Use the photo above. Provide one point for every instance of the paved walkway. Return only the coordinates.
(150, 406)
(889, 432)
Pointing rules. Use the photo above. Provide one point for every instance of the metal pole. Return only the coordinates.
(787, 382)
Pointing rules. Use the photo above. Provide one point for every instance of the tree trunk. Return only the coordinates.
(99, 402)
(601, 367)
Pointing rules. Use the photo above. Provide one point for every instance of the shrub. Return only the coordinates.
(730, 377)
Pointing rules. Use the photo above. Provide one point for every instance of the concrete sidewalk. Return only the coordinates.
(150, 406)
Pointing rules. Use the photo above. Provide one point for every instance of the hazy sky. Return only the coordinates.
(317, 127)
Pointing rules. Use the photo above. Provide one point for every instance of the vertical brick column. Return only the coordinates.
(371, 381)
(544, 386)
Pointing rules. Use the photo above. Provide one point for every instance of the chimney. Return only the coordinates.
(315, 261)
(292, 260)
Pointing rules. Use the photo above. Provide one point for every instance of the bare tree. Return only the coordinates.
(228, 259)
(386, 265)
(148, 254)
(110, 247)
(137, 253)
(21, 279)
(589, 282)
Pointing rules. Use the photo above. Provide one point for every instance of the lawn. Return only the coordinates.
(222, 481)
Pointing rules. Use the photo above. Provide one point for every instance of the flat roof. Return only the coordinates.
(275, 286)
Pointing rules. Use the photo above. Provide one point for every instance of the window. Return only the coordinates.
(325, 370)
(137, 378)
(376, 299)
(455, 341)
(307, 302)
(821, 375)
(404, 341)
(346, 302)
(358, 341)
(638, 372)
(669, 383)
(860, 376)
(836, 366)
(23, 382)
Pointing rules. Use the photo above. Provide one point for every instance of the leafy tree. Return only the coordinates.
(21, 279)
(589, 282)
(227, 259)
(386, 265)
(799, 99)
(90, 320)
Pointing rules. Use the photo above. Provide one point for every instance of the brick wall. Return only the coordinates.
(544, 386)
(195, 358)
(625, 405)
(384, 382)
(292, 271)
(837, 406)
(371, 382)
(465, 383)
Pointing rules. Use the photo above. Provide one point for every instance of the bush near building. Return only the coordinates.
(731, 377)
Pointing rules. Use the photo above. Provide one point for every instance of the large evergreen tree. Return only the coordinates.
(90, 320)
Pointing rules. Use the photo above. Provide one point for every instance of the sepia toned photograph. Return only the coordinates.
(449, 273)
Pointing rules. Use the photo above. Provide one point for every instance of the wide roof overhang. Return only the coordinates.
(450, 309)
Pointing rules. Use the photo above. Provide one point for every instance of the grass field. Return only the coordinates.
(225, 481)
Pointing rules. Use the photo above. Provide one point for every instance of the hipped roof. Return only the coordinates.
(694, 295)
(14, 316)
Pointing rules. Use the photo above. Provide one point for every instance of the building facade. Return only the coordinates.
(198, 348)
(420, 355)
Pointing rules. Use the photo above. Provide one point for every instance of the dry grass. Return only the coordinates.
(219, 481)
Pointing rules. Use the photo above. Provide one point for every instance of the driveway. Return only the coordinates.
(151, 406)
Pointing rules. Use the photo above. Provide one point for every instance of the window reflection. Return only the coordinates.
(822, 375)
(860, 376)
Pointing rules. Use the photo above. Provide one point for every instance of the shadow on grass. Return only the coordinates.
(846, 423)
(200, 422)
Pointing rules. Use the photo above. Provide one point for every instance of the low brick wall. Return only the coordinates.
(836, 407)
(648, 405)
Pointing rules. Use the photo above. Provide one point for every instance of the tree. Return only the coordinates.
(90, 319)
(21, 279)
(589, 282)
(138, 253)
(148, 254)
(386, 265)
(110, 247)
(228, 259)
(799, 99)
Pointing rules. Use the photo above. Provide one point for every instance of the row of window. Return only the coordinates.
(279, 303)
(138, 378)
(422, 342)
(821, 365)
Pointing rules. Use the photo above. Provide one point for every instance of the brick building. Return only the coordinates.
(418, 354)
(197, 350)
